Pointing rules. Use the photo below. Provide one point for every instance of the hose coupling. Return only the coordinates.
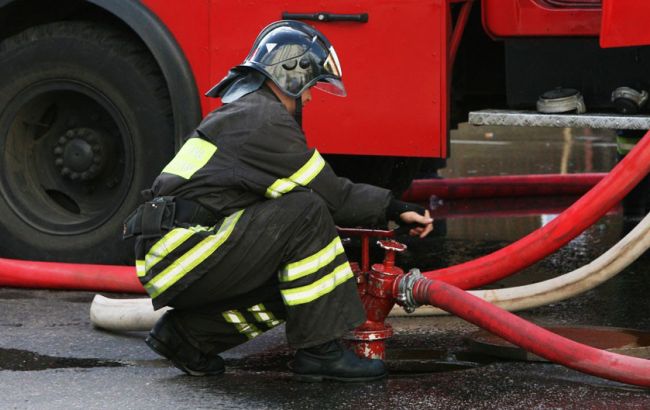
(405, 290)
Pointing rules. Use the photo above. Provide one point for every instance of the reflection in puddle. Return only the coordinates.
(23, 360)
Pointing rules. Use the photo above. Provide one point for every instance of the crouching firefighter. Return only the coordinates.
(239, 232)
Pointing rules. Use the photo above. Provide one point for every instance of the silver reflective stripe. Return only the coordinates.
(192, 258)
(263, 316)
(302, 177)
(323, 286)
(313, 263)
(243, 327)
(139, 268)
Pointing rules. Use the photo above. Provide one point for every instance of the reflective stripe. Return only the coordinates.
(263, 316)
(625, 144)
(303, 176)
(193, 155)
(326, 284)
(183, 265)
(139, 268)
(307, 266)
(166, 245)
(625, 148)
(243, 327)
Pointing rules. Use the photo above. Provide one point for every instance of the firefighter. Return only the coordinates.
(239, 230)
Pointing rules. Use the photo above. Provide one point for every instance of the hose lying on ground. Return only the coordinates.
(54, 275)
(124, 314)
(581, 280)
(531, 337)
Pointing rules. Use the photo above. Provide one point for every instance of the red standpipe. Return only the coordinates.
(501, 186)
(375, 286)
(547, 239)
(533, 338)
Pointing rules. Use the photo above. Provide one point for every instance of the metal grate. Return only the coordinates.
(535, 119)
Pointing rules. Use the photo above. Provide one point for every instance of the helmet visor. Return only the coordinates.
(332, 86)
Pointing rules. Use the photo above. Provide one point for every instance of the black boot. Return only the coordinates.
(332, 361)
(168, 342)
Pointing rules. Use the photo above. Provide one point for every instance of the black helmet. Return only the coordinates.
(294, 55)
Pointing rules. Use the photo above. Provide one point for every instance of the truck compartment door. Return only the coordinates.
(394, 70)
(625, 23)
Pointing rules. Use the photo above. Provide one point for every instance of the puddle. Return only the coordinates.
(630, 342)
(23, 360)
(415, 361)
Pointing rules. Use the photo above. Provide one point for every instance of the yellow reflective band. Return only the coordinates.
(183, 265)
(139, 268)
(313, 263)
(194, 154)
(303, 176)
(625, 144)
(166, 245)
(326, 284)
(625, 148)
(236, 318)
(263, 316)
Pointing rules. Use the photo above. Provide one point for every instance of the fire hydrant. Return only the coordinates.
(376, 289)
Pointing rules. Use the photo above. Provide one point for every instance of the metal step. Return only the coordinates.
(535, 119)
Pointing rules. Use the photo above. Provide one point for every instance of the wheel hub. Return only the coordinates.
(79, 154)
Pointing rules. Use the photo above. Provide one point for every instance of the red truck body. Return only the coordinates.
(83, 130)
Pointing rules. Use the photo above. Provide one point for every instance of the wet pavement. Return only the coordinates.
(52, 357)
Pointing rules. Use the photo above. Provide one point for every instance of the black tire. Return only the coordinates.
(85, 125)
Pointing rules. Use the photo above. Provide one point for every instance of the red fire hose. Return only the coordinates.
(30, 274)
(547, 239)
(533, 338)
(501, 186)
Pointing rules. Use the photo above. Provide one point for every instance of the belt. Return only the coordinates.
(161, 214)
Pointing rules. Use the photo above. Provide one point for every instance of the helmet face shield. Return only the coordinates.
(332, 86)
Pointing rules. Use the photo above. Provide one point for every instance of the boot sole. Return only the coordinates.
(160, 348)
(315, 378)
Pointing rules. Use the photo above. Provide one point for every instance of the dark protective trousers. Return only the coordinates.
(289, 266)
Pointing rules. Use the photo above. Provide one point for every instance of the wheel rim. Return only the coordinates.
(67, 162)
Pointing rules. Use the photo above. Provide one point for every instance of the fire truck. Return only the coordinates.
(96, 95)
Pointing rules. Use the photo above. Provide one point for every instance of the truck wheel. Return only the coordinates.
(85, 125)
